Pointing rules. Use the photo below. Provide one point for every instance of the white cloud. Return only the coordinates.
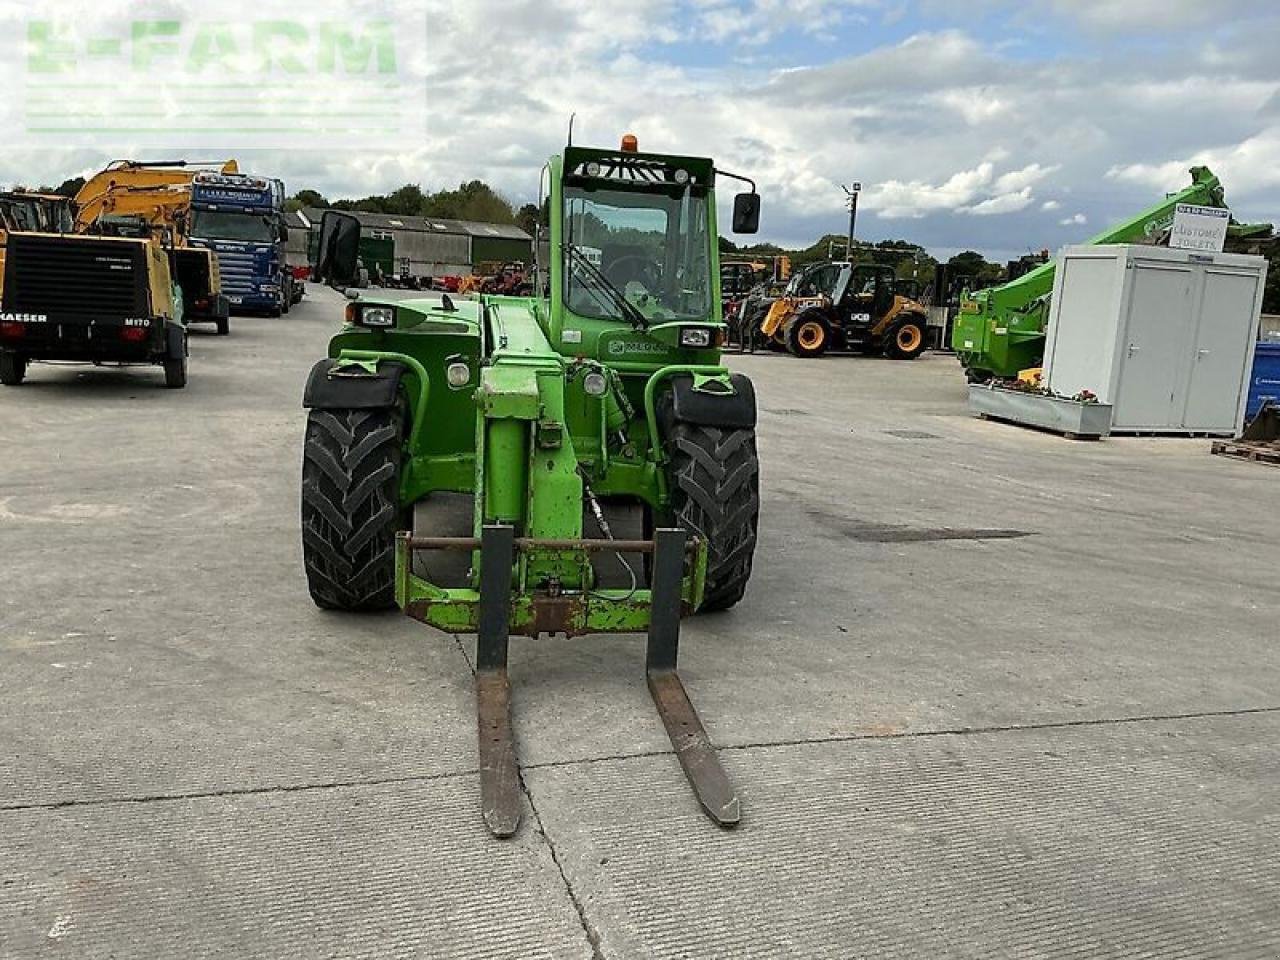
(1050, 205)
(1016, 181)
(758, 21)
(1152, 15)
(1243, 167)
(979, 192)
(976, 106)
(896, 199)
(1001, 203)
(1078, 220)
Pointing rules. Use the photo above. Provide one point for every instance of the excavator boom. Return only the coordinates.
(104, 192)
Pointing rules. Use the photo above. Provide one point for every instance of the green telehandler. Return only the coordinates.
(1000, 332)
(476, 462)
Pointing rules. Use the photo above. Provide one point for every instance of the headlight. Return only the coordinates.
(458, 375)
(682, 176)
(593, 169)
(695, 338)
(595, 384)
(377, 317)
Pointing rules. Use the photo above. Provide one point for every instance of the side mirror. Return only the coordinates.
(746, 213)
(338, 250)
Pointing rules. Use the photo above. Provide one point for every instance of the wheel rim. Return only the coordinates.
(811, 336)
(909, 337)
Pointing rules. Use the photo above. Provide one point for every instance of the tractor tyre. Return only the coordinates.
(808, 335)
(223, 325)
(350, 507)
(175, 373)
(906, 340)
(714, 483)
(13, 368)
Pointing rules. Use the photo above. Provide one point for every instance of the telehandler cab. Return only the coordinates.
(519, 436)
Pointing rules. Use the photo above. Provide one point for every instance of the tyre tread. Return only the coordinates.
(350, 507)
(715, 492)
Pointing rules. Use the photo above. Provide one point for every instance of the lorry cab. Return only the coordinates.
(240, 219)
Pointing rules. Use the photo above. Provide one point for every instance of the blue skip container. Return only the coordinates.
(1265, 384)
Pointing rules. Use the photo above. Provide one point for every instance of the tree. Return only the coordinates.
(305, 198)
(474, 200)
(69, 188)
(973, 264)
(408, 201)
(527, 218)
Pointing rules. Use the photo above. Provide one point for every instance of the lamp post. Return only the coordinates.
(852, 192)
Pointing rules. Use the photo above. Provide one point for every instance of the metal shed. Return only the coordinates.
(433, 247)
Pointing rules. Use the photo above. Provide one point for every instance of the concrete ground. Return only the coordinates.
(991, 694)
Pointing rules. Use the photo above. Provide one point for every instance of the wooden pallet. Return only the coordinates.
(1260, 451)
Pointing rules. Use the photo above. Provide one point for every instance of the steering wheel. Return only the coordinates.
(644, 270)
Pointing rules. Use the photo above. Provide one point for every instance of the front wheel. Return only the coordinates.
(808, 335)
(715, 495)
(350, 507)
(905, 340)
(13, 369)
(223, 325)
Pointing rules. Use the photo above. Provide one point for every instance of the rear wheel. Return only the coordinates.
(808, 335)
(13, 368)
(905, 339)
(350, 507)
(223, 325)
(175, 373)
(715, 495)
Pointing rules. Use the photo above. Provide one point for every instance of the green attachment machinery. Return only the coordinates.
(576, 463)
(1000, 332)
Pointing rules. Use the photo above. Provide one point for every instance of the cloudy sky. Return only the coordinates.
(1001, 126)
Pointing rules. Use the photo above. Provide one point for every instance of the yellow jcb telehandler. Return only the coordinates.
(846, 306)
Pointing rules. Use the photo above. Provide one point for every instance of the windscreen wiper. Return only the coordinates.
(628, 309)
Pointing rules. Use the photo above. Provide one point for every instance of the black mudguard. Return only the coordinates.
(352, 388)
(732, 411)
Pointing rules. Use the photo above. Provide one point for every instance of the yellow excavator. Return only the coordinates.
(121, 287)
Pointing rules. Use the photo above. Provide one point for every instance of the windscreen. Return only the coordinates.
(818, 280)
(651, 248)
(221, 225)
